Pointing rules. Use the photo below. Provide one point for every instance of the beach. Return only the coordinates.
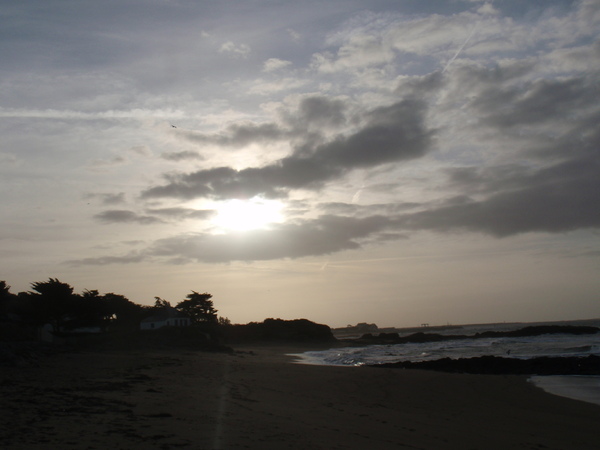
(256, 397)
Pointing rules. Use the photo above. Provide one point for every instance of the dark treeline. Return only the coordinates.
(54, 302)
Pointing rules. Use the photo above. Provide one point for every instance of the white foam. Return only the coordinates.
(578, 387)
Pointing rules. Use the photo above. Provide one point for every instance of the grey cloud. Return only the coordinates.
(391, 134)
(485, 180)
(125, 216)
(240, 135)
(560, 198)
(101, 163)
(181, 156)
(314, 113)
(418, 86)
(141, 150)
(325, 235)
(182, 213)
(321, 236)
(540, 102)
(347, 209)
(322, 111)
(108, 199)
(131, 258)
(557, 198)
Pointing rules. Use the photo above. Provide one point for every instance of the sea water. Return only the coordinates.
(555, 345)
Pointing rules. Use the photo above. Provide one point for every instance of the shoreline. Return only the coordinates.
(257, 397)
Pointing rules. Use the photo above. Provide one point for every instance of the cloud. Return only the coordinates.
(108, 199)
(141, 150)
(236, 51)
(361, 50)
(325, 235)
(294, 34)
(8, 159)
(177, 213)
(181, 156)
(539, 102)
(239, 135)
(265, 87)
(100, 164)
(131, 258)
(389, 134)
(313, 113)
(497, 116)
(320, 111)
(273, 64)
(553, 199)
(154, 215)
(125, 216)
(321, 236)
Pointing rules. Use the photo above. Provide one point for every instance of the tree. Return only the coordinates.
(124, 312)
(5, 297)
(53, 301)
(160, 304)
(91, 310)
(223, 321)
(198, 307)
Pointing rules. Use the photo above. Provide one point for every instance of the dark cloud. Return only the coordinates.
(320, 110)
(325, 235)
(131, 258)
(182, 213)
(390, 134)
(108, 199)
(540, 102)
(321, 236)
(125, 216)
(240, 135)
(153, 215)
(351, 209)
(313, 113)
(419, 86)
(560, 198)
(181, 156)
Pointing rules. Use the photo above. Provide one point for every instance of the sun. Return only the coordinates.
(243, 215)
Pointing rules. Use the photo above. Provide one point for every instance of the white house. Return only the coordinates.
(168, 317)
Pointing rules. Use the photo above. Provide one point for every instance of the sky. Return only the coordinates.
(395, 162)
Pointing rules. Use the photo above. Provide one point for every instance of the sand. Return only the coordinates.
(257, 398)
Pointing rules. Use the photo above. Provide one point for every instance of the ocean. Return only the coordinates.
(586, 388)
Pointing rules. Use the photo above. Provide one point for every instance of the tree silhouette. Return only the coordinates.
(90, 310)
(124, 312)
(6, 298)
(198, 307)
(53, 301)
(160, 304)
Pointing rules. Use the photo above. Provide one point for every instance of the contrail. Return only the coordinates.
(461, 48)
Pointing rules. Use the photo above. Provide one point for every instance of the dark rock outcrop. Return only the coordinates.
(394, 338)
(301, 330)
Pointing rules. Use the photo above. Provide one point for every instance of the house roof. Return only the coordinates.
(163, 315)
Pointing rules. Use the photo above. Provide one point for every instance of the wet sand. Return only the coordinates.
(257, 398)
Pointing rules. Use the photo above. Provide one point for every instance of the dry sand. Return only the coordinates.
(257, 398)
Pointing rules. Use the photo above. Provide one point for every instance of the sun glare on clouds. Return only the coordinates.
(243, 215)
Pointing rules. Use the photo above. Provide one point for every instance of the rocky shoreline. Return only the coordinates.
(487, 365)
(420, 337)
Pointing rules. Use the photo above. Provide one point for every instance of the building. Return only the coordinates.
(168, 317)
